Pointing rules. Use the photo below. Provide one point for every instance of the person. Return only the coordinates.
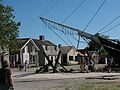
(109, 64)
(6, 82)
(82, 64)
(86, 67)
(25, 65)
(91, 64)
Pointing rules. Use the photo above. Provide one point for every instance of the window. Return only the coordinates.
(71, 58)
(26, 49)
(77, 58)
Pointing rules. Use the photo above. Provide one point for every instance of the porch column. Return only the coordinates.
(21, 60)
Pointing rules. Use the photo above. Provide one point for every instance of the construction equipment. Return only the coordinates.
(109, 45)
(112, 47)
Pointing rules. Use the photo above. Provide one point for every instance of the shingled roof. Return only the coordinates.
(66, 49)
(43, 42)
(23, 41)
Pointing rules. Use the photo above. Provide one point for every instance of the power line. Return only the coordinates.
(94, 15)
(108, 24)
(73, 11)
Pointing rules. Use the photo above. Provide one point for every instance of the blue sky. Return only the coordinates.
(28, 11)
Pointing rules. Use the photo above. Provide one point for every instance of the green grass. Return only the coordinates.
(89, 85)
(102, 85)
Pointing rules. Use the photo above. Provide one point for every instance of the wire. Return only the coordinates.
(59, 36)
(112, 28)
(56, 33)
(68, 40)
(94, 15)
(73, 37)
(73, 11)
(108, 24)
(91, 21)
(46, 8)
(50, 8)
(81, 3)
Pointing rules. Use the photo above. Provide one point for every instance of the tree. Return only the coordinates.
(8, 28)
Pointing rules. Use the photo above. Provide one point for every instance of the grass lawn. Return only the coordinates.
(87, 85)
(99, 86)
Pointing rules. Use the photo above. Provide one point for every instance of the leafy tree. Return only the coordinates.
(8, 27)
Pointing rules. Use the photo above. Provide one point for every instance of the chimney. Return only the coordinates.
(42, 37)
(59, 45)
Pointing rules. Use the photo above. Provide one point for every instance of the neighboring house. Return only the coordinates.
(32, 50)
(69, 55)
(94, 55)
(27, 50)
(49, 48)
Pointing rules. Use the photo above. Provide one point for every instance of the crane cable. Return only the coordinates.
(69, 35)
(108, 24)
(51, 5)
(46, 8)
(112, 28)
(94, 15)
(74, 11)
(91, 20)
(70, 15)
(55, 33)
(76, 39)
(81, 3)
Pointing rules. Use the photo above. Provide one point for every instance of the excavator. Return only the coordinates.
(110, 45)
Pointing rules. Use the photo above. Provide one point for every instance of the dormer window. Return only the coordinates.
(26, 49)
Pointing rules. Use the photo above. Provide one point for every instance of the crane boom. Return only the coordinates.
(68, 30)
(112, 47)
